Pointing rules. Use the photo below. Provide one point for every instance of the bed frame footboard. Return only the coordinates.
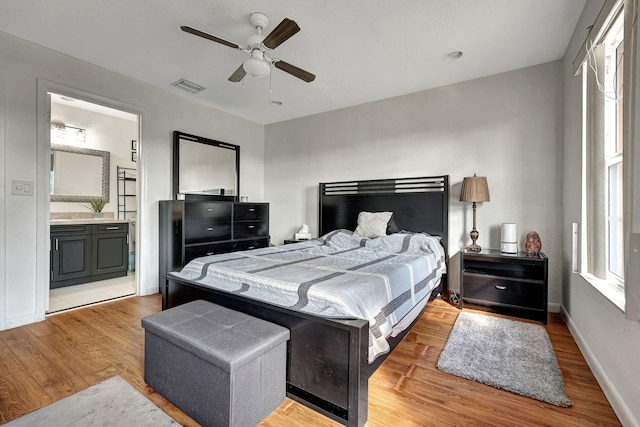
(327, 368)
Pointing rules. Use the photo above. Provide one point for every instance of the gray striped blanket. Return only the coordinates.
(336, 276)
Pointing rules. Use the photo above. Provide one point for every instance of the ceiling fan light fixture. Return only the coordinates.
(256, 66)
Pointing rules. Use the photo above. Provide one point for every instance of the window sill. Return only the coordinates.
(609, 290)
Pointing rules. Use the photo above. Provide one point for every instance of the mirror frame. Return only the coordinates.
(177, 136)
(105, 155)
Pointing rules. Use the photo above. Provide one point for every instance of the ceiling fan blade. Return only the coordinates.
(294, 71)
(281, 33)
(238, 74)
(209, 37)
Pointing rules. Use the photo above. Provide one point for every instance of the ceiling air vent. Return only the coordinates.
(188, 86)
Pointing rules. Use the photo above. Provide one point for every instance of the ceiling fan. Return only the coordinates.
(260, 47)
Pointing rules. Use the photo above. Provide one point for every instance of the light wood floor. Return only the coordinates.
(49, 360)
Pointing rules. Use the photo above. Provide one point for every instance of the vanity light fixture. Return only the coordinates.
(81, 135)
(59, 128)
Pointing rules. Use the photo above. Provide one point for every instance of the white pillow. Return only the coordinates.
(372, 224)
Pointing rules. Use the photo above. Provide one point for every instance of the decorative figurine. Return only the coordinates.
(533, 244)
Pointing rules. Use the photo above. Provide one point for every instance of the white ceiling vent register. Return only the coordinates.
(188, 86)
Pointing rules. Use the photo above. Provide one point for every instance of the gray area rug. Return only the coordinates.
(507, 354)
(113, 402)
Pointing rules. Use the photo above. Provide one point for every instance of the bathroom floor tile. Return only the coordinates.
(69, 297)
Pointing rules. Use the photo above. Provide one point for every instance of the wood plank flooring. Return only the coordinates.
(68, 352)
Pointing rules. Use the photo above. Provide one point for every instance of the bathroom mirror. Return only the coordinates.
(78, 174)
(204, 168)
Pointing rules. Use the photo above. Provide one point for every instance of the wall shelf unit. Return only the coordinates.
(127, 198)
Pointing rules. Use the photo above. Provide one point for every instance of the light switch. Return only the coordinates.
(22, 188)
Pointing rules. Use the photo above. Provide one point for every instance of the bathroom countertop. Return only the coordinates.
(87, 221)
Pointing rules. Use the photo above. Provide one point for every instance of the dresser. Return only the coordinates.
(191, 229)
(514, 285)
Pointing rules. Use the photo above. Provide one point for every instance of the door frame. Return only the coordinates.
(44, 87)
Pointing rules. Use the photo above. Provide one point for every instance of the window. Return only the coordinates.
(613, 78)
(603, 167)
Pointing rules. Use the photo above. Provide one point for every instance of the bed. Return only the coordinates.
(335, 348)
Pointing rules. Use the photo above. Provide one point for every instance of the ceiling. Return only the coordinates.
(359, 50)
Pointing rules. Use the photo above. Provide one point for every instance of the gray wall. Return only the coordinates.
(506, 127)
(609, 342)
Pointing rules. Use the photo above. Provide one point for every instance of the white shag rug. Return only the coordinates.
(507, 354)
(113, 402)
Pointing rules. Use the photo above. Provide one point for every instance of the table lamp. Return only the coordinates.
(474, 189)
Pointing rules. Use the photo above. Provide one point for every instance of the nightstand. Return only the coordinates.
(514, 285)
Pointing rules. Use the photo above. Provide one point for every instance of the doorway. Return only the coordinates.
(84, 126)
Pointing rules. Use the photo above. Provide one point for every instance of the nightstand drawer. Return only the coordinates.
(491, 289)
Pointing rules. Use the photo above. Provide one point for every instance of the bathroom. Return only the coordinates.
(94, 151)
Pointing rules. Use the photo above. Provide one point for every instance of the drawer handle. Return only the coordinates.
(210, 229)
(251, 226)
(501, 287)
(252, 210)
(113, 228)
(210, 253)
(251, 247)
(210, 209)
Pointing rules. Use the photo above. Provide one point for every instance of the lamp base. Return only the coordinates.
(473, 248)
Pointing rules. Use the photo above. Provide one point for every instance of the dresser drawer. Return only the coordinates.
(246, 245)
(206, 232)
(493, 289)
(196, 251)
(214, 212)
(251, 212)
(248, 229)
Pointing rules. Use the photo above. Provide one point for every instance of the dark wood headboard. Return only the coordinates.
(418, 204)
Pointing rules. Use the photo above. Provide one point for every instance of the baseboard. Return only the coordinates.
(27, 319)
(554, 307)
(618, 404)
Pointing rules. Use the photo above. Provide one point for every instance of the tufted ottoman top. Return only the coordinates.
(226, 338)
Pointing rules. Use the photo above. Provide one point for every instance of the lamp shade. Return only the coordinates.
(474, 189)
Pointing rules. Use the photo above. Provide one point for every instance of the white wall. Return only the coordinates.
(27, 69)
(506, 127)
(609, 342)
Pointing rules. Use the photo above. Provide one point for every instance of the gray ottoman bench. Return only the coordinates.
(219, 366)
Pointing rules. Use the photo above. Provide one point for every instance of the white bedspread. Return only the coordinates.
(336, 276)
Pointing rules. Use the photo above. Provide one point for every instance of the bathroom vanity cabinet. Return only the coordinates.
(82, 253)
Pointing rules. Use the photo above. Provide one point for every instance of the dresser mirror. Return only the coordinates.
(78, 174)
(204, 168)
